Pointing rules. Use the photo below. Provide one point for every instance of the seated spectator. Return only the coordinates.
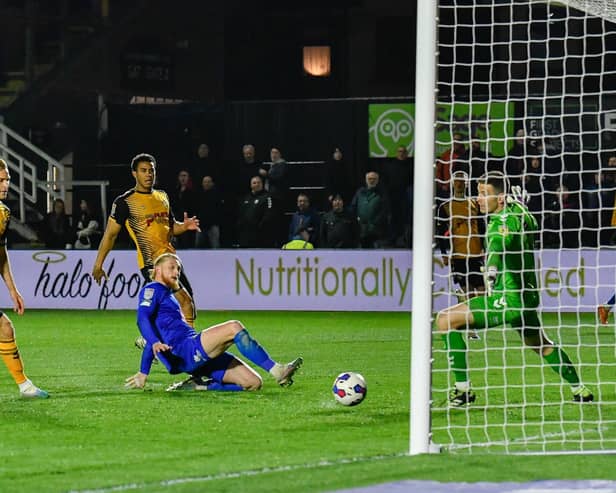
(57, 231)
(300, 241)
(304, 217)
(371, 207)
(88, 229)
(339, 228)
(210, 205)
(255, 217)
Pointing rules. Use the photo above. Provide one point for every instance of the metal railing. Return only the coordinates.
(26, 184)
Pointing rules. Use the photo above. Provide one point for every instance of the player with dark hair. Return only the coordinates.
(8, 347)
(147, 215)
(512, 296)
(460, 229)
(203, 355)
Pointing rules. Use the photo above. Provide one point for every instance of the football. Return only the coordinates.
(349, 388)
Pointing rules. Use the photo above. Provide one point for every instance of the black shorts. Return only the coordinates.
(184, 282)
(466, 272)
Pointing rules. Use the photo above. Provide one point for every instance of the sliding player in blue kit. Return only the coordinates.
(201, 354)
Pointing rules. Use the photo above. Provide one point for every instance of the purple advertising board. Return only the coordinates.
(336, 280)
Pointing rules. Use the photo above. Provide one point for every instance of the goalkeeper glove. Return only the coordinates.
(518, 194)
(490, 278)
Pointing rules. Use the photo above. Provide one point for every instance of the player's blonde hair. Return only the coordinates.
(3, 165)
(163, 258)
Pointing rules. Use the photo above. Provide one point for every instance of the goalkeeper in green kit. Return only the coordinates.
(512, 292)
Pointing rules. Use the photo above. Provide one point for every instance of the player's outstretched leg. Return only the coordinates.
(448, 321)
(217, 339)
(12, 359)
(559, 361)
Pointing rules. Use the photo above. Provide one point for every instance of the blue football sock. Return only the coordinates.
(252, 350)
(612, 300)
(224, 387)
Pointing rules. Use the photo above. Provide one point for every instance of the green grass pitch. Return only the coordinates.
(95, 435)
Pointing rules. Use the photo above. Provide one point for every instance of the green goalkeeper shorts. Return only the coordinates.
(499, 309)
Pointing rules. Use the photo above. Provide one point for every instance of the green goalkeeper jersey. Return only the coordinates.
(510, 240)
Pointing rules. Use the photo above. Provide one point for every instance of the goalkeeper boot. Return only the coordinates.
(583, 394)
(603, 312)
(473, 335)
(191, 383)
(461, 398)
(31, 391)
(285, 379)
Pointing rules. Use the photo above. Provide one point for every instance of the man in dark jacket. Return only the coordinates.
(255, 217)
(339, 228)
(371, 206)
(304, 217)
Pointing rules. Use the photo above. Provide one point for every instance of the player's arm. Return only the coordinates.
(7, 277)
(106, 245)
(495, 250)
(189, 224)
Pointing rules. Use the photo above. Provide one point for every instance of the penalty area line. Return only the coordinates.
(240, 474)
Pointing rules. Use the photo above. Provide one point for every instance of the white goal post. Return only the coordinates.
(532, 84)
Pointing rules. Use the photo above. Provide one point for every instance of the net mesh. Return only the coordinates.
(528, 88)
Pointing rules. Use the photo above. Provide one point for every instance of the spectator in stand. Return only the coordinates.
(534, 187)
(277, 175)
(248, 167)
(57, 231)
(515, 163)
(300, 241)
(255, 217)
(183, 202)
(562, 221)
(445, 164)
(203, 165)
(278, 187)
(336, 176)
(210, 211)
(88, 229)
(371, 207)
(304, 217)
(339, 228)
(395, 179)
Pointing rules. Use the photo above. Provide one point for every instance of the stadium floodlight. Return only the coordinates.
(533, 84)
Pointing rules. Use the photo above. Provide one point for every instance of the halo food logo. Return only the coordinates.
(391, 126)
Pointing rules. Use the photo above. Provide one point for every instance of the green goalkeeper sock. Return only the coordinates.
(456, 354)
(559, 362)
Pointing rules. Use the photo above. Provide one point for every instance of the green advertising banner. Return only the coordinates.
(393, 125)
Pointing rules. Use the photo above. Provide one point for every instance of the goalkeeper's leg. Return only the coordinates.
(450, 322)
(556, 357)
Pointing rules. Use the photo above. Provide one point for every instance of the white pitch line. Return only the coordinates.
(239, 474)
(535, 438)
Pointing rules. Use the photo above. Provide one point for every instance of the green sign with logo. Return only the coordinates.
(393, 125)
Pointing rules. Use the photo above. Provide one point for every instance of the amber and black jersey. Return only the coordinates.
(5, 218)
(149, 221)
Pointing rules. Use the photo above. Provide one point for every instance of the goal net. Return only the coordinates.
(526, 88)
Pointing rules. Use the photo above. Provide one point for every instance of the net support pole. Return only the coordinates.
(421, 332)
